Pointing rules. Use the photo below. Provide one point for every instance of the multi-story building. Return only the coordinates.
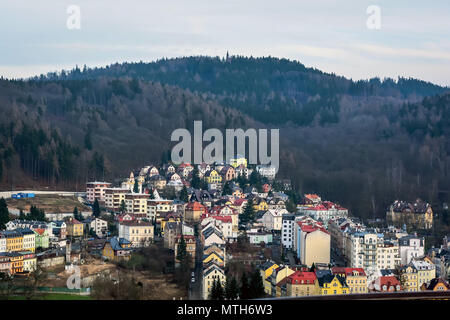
(301, 284)
(114, 198)
(29, 239)
(425, 272)
(74, 228)
(417, 215)
(325, 211)
(190, 242)
(29, 261)
(411, 247)
(139, 233)
(14, 240)
(272, 219)
(287, 230)
(410, 277)
(5, 263)
(96, 190)
(136, 203)
(212, 273)
(194, 211)
(363, 248)
(313, 242)
(157, 206)
(388, 256)
(42, 238)
(355, 278)
(3, 247)
(98, 226)
(267, 171)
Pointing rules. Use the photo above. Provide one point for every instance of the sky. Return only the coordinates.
(413, 39)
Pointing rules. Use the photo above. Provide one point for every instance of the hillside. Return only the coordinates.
(363, 144)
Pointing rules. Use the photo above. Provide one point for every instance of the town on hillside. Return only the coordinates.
(211, 231)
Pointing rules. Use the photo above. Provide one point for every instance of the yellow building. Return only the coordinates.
(117, 249)
(425, 272)
(260, 205)
(213, 256)
(301, 284)
(29, 261)
(330, 284)
(16, 262)
(212, 273)
(139, 233)
(74, 228)
(114, 198)
(213, 176)
(236, 162)
(410, 277)
(266, 270)
(275, 278)
(355, 278)
(14, 240)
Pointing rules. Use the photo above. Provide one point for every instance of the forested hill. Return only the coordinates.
(271, 90)
(362, 144)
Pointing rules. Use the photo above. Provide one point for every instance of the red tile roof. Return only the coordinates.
(300, 277)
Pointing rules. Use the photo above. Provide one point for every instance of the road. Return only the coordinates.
(195, 290)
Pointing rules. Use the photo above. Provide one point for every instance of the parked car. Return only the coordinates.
(193, 280)
(193, 274)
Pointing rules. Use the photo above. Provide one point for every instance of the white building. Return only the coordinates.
(99, 226)
(96, 190)
(411, 247)
(267, 171)
(272, 219)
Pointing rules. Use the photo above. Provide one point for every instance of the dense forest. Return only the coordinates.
(360, 143)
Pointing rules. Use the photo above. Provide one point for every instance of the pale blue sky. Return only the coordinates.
(414, 39)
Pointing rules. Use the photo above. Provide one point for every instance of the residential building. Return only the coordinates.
(411, 247)
(42, 238)
(313, 243)
(212, 273)
(301, 284)
(330, 284)
(190, 247)
(139, 233)
(417, 215)
(194, 211)
(425, 272)
(410, 277)
(272, 219)
(156, 207)
(256, 236)
(386, 284)
(74, 228)
(355, 278)
(117, 249)
(114, 198)
(96, 190)
(98, 226)
(29, 261)
(28, 239)
(136, 203)
(267, 171)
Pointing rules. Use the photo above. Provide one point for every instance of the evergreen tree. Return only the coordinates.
(136, 186)
(184, 194)
(195, 182)
(22, 216)
(217, 292)
(96, 209)
(313, 268)
(122, 208)
(227, 188)
(256, 286)
(181, 251)
(36, 214)
(231, 289)
(249, 213)
(245, 289)
(75, 213)
(4, 213)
